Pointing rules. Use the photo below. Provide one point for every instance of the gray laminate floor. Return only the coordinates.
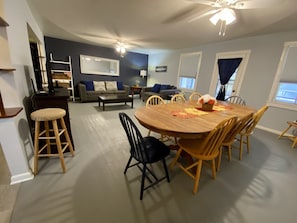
(260, 188)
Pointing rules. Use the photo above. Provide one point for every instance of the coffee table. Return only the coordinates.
(108, 99)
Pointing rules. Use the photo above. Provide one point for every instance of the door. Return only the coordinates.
(234, 84)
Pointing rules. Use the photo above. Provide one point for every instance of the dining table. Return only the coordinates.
(187, 120)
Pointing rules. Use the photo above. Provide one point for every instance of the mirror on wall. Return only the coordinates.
(99, 65)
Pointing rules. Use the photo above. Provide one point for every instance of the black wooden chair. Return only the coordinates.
(144, 150)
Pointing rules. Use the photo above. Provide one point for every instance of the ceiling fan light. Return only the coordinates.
(227, 15)
(214, 19)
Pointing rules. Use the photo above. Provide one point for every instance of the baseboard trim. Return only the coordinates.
(268, 129)
(21, 178)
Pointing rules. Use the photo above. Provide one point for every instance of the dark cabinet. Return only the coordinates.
(58, 99)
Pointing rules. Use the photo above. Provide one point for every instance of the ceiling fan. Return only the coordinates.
(224, 10)
(120, 45)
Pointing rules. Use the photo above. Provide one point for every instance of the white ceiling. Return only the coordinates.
(152, 25)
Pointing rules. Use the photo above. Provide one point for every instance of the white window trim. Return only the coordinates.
(244, 54)
(271, 102)
(197, 69)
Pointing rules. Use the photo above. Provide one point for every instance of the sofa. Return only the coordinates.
(90, 90)
(163, 90)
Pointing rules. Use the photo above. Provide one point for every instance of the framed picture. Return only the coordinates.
(161, 69)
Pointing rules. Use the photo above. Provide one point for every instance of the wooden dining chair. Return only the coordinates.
(292, 137)
(236, 100)
(231, 138)
(144, 150)
(203, 149)
(178, 98)
(156, 100)
(195, 96)
(248, 129)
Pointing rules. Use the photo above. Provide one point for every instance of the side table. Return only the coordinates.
(135, 89)
(293, 138)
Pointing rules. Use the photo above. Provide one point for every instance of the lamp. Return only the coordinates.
(120, 47)
(143, 73)
(226, 17)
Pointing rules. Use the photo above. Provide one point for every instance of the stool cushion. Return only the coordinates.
(48, 114)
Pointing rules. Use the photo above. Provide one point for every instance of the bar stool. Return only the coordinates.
(51, 134)
(294, 137)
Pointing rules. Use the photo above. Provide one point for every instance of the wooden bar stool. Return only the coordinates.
(51, 134)
(293, 138)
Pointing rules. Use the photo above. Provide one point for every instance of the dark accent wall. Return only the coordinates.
(130, 64)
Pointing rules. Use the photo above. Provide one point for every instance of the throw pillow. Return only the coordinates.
(156, 88)
(164, 87)
(99, 85)
(111, 85)
(120, 85)
(89, 85)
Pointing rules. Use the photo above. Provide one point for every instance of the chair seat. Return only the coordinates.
(48, 114)
(196, 148)
(155, 149)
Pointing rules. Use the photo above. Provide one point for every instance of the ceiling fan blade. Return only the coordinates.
(254, 4)
(206, 2)
(199, 16)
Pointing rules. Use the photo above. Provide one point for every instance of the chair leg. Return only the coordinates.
(241, 147)
(59, 147)
(166, 170)
(213, 168)
(248, 144)
(197, 177)
(283, 133)
(36, 146)
(219, 158)
(294, 142)
(67, 136)
(47, 134)
(175, 158)
(127, 165)
(149, 133)
(229, 152)
(142, 181)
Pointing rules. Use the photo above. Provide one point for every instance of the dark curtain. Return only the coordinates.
(227, 67)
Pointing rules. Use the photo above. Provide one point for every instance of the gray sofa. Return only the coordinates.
(92, 95)
(164, 91)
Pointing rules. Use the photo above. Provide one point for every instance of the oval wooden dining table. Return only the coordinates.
(187, 120)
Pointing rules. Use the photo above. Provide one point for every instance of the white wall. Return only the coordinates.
(266, 51)
(16, 85)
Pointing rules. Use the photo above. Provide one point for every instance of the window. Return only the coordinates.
(287, 92)
(284, 89)
(189, 65)
(187, 82)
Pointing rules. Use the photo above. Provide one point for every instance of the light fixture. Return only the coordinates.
(120, 48)
(226, 16)
(143, 73)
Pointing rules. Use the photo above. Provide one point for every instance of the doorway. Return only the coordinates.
(234, 84)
